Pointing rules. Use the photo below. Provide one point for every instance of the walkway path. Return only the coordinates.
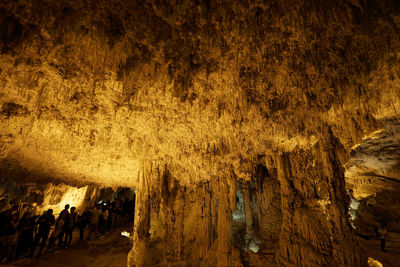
(110, 250)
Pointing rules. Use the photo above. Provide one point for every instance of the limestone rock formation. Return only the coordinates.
(37, 198)
(373, 176)
(188, 100)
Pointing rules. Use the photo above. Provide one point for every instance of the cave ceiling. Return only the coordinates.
(90, 90)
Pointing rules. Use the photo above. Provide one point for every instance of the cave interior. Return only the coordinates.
(254, 133)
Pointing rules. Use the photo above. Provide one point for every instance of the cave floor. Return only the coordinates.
(110, 250)
(391, 258)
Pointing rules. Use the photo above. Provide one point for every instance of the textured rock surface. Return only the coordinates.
(109, 92)
(373, 176)
(37, 197)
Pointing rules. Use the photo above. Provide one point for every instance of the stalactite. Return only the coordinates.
(268, 205)
(195, 227)
(306, 218)
(314, 225)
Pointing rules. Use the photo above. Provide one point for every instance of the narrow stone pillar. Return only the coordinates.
(248, 213)
(137, 255)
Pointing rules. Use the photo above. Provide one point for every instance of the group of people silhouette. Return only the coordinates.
(20, 236)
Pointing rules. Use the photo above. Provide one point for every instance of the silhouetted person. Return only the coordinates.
(83, 222)
(125, 210)
(93, 222)
(64, 214)
(70, 225)
(382, 236)
(11, 225)
(26, 226)
(110, 212)
(57, 233)
(102, 220)
(45, 222)
(117, 213)
(3, 218)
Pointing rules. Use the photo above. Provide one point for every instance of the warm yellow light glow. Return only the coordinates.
(374, 263)
(125, 233)
(73, 197)
(56, 197)
(374, 135)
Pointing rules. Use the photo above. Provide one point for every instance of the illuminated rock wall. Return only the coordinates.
(98, 91)
(180, 224)
(314, 213)
(372, 175)
(38, 197)
(56, 197)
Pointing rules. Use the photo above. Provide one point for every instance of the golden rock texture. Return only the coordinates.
(373, 176)
(38, 197)
(183, 99)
